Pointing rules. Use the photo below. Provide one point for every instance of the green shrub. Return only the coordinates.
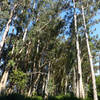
(63, 97)
(37, 98)
(88, 98)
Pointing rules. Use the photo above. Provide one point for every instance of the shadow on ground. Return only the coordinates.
(21, 97)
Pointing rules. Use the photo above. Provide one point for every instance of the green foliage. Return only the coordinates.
(11, 63)
(51, 87)
(98, 85)
(19, 78)
(37, 98)
(64, 97)
(32, 56)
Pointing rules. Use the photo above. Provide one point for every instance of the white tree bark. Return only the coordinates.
(47, 80)
(90, 57)
(81, 89)
(77, 85)
(74, 82)
(4, 81)
(25, 33)
(4, 77)
(6, 72)
(7, 28)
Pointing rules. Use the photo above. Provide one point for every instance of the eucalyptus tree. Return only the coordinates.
(81, 89)
(90, 57)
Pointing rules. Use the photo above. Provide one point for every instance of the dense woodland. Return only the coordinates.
(47, 49)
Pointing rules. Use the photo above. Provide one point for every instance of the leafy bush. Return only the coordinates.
(37, 98)
(19, 78)
(62, 97)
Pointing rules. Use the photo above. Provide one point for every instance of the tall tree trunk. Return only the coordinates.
(7, 28)
(66, 85)
(47, 80)
(5, 75)
(74, 82)
(36, 82)
(90, 57)
(81, 89)
(77, 84)
(30, 86)
(4, 80)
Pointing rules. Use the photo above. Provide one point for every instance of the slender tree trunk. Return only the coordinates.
(44, 86)
(25, 33)
(30, 86)
(38, 45)
(7, 28)
(29, 92)
(74, 82)
(90, 57)
(4, 80)
(66, 85)
(37, 78)
(47, 80)
(81, 89)
(77, 84)
(36, 82)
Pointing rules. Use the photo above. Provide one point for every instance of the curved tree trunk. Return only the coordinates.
(90, 58)
(7, 28)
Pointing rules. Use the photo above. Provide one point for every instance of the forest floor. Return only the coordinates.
(21, 97)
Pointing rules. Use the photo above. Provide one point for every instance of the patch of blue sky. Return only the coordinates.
(12, 30)
(67, 15)
(96, 27)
